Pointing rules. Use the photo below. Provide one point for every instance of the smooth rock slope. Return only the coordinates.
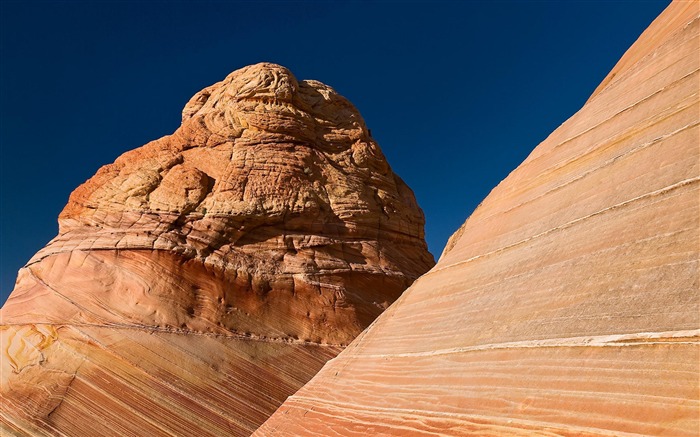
(201, 279)
(568, 304)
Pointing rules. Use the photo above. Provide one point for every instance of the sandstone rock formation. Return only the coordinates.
(568, 303)
(201, 279)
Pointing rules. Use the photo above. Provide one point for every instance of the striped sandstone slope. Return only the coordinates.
(202, 278)
(568, 303)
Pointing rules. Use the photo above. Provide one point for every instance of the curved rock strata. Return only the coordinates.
(568, 303)
(201, 279)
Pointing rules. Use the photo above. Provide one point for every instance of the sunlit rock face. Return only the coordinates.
(568, 303)
(201, 279)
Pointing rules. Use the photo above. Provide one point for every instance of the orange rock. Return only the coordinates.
(201, 279)
(568, 303)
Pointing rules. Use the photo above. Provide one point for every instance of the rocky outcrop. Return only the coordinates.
(201, 279)
(568, 302)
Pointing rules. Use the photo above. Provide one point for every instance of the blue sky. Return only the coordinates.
(456, 93)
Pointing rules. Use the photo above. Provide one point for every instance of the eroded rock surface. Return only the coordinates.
(568, 303)
(201, 279)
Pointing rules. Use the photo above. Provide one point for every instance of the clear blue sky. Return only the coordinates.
(456, 93)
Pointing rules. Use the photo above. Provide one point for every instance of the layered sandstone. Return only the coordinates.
(568, 303)
(201, 279)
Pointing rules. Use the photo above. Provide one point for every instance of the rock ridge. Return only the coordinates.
(567, 304)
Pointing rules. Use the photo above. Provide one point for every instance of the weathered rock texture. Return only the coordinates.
(201, 279)
(567, 304)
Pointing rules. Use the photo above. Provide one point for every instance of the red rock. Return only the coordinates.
(201, 279)
(568, 302)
